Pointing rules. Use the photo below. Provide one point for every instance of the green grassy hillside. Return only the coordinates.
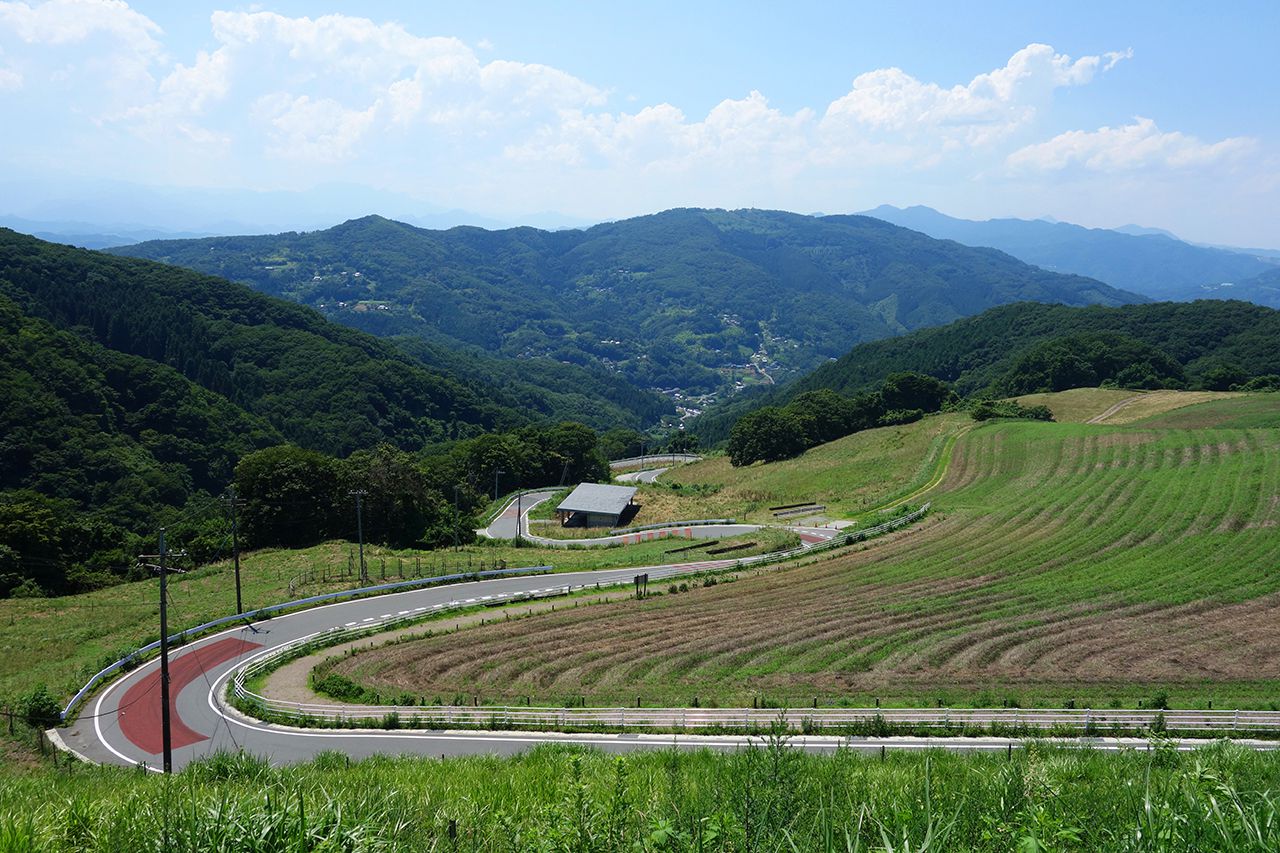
(1094, 564)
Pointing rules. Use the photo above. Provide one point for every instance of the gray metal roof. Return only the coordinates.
(598, 498)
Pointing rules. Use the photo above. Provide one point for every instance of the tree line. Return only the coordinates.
(773, 433)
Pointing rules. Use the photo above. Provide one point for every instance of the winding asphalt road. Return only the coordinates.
(120, 725)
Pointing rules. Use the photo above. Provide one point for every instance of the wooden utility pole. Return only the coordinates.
(233, 502)
(359, 496)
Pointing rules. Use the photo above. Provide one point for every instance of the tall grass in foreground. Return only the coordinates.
(555, 799)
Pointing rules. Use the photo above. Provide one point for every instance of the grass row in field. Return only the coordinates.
(1061, 562)
(768, 798)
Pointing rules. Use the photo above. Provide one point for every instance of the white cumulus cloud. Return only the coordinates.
(1133, 146)
(986, 108)
(60, 22)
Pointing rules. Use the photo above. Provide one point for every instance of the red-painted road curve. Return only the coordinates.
(140, 714)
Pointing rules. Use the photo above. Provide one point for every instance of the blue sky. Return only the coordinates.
(1098, 113)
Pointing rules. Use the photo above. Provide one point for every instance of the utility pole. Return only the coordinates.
(497, 472)
(457, 516)
(359, 496)
(519, 495)
(233, 502)
(166, 730)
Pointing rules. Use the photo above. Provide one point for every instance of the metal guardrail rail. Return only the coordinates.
(137, 655)
(631, 461)
(658, 525)
(462, 715)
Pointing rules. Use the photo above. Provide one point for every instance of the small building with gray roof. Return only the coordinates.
(597, 505)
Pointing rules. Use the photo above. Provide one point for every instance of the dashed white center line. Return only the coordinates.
(349, 624)
(385, 616)
(367, 619)
(403, 612)
(419, 609)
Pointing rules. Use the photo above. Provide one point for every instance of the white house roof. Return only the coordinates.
(598, 498)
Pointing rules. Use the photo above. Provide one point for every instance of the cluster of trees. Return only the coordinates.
(623, 443)
(129, 392)
(1086, 360)
(321, 385)
(816, 417)
(294, 497)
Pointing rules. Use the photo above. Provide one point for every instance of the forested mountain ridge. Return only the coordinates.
(1014, 349)
(687, 299)
(319, 384)
(132, 393)
(93, 443)
(1154, 264)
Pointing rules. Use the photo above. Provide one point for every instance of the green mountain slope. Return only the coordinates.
(319, 384)
(692, 301)
(129, 390)
(1207, 343)
(93, 444)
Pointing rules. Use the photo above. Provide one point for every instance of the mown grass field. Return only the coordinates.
(765, 799)
(1253, 411)
(1062, 563)
(848, 476)
(1079, 404)
(1117, 406)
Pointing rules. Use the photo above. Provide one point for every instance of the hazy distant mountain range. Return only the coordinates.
(94, 214)
(1149, 261)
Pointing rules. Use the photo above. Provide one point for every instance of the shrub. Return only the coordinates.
(988, 409)
(40, 709)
